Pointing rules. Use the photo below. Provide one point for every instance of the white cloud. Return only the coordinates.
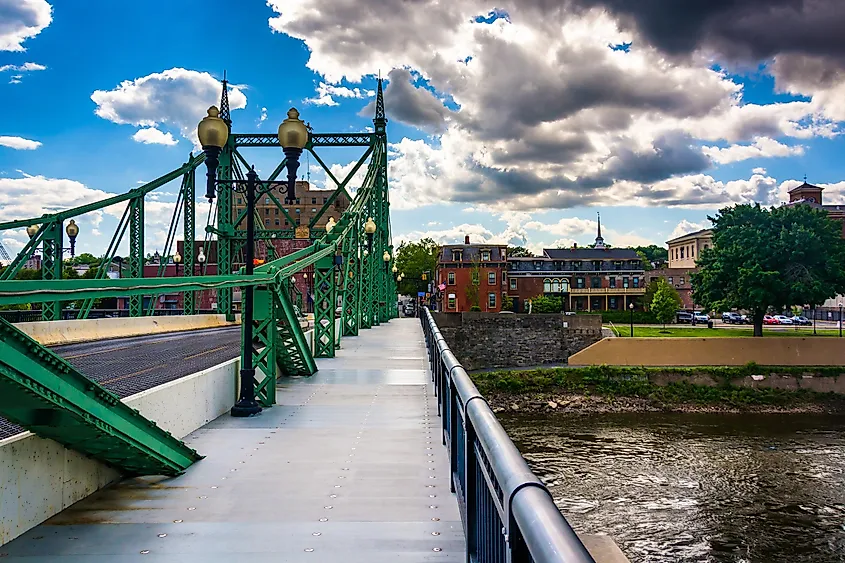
(263, 117)
(15, 79)
(686, 227)
(763, 147)
(327, 92)
(759, 170)
(21, 20)
(18, 143)
(26, 67)
(152, 136)
(547, 115)
(175, 97)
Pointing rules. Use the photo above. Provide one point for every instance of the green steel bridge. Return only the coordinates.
(378, 394)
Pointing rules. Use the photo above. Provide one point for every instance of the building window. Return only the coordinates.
(452, 303)
(277, 222)
(491, 300)
(612, 282)
(706, 246)
(313, 200)
(297, 201)
(671, 280)
(266, 211)
(513, 283)
(313, 210)
(491, 278)
(457, 255)
(579, 283)
(504, 276)
(682, 253)
(266, 201)
(297, 211)
(267, 222)
(547, 285)
(625, 283)
(613, 303)
(240, 201)
(277, 211)
(595, 282)
(636, 282)
(692, 251)
(325, 200)
(286, 222)
(681, 279)
(485, 255)
(451, 277)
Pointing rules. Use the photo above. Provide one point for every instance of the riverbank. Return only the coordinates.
(608, 389)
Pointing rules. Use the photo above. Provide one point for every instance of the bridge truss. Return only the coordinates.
(352, 283)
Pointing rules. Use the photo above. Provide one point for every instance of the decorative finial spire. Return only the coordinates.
(805, 178)
(598, 214)
(380, 121)
(224, 102)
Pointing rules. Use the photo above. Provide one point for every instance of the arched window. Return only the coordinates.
(555, 286)
(564, 285)
(547, 285)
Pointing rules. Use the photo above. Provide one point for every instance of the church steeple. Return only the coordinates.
(599, 240)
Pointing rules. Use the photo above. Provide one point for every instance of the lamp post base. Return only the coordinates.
(245, 408)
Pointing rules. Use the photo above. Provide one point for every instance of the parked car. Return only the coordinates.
(783, 320)
(701, 317)
(770, 320)
(410, 309)
(683, 317)
(734, 318)
(801, 320)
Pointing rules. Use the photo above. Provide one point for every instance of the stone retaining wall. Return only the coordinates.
(493, 340)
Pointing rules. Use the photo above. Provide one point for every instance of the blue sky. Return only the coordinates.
(506, 124)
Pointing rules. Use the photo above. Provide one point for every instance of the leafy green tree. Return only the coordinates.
(542, 304)
(507, 303)
(519, 252)
(472, 290)
(84, 258)
(765, 258)
(651, 253)
(413, 259)
(665, 302)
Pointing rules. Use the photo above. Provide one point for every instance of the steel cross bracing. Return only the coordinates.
(353, 288)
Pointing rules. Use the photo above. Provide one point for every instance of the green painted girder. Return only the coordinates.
(316, 139)
(46, 395)
(293, 354)
(24, 291)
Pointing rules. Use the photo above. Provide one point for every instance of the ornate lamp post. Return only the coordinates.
(32, 230)
(72, 230)
(293, 136)
(201, 260)
(330, 225)
(213, 134)
(177, 259)
(840, 319)
(386, 258)
(631, 307)
(370, 229)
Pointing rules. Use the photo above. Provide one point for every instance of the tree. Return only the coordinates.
(519, 252)
(507, 303)
(650, 290)
(770, 258)
(665, 302)
(542, 304)
(651, 253)
(472, 290)
(84, 258)
(413, 259)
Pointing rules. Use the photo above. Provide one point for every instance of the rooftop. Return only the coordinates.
(591, 253)
(696, 234)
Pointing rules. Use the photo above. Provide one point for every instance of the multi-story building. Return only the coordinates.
(305, 207)
(809, 194)
(459, 265)
(586, 279)
(684, 253)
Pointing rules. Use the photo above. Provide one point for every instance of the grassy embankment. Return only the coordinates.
(733, 332)
(625, 389)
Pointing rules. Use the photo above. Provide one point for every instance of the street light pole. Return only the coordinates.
(840, 320)
(631, 307)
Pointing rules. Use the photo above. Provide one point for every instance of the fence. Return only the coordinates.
(508, 514)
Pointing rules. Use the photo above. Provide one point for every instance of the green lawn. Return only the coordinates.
(698, 332)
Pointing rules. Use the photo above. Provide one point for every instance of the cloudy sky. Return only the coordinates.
(511, 121)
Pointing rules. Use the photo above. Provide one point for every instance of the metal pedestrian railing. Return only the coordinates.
(508, 514)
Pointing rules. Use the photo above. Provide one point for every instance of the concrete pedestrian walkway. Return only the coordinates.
(347, 467)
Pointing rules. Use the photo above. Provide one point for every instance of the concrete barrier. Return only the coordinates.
(50, 333)
(712, 351)
(39, 478)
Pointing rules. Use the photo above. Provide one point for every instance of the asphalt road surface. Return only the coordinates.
(126, 366)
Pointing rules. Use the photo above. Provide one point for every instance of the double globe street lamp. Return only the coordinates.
(213, 134)
(72, 230)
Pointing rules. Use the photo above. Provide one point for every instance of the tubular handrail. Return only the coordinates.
(507, 513)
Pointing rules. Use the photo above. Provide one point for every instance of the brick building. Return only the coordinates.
(306, 206)
(684, 252)
(457, 264)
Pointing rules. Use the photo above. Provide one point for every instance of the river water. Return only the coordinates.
(696, 487)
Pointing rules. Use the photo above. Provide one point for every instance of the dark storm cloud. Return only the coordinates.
(741, 30)
(411, 105)
(672, 155)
